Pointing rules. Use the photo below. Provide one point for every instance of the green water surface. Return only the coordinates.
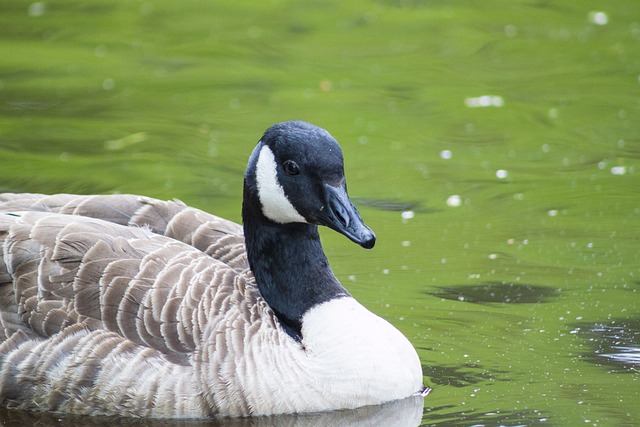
(493, 146)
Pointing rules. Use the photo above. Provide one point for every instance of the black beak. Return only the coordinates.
(340, 215)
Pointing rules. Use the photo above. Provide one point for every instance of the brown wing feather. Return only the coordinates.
(219, 238)
(96, 312)
(147, 288)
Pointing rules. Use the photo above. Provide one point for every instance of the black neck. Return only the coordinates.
(290, 267)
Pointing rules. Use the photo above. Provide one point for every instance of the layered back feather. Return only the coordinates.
(217, 237)
(143, 291)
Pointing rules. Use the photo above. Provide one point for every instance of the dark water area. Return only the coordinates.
(494, 148)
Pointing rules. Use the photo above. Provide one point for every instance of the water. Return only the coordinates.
(493, 147)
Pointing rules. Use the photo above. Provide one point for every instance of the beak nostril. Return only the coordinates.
(341, 214)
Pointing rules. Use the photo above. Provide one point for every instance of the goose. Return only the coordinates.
(131, 306)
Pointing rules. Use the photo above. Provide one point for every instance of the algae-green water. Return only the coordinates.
(494, 147)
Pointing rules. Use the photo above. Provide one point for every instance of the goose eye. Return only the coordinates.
(291, 168)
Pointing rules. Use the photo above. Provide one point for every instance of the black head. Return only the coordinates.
(296, 175)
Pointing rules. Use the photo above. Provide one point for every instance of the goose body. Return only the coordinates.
(126, 305)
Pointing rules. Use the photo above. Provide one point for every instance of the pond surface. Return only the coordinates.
(494, 147)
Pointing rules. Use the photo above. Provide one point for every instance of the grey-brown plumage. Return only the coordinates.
(220, 238)
(116, 292)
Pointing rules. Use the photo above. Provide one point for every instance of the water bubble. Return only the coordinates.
(37, 9)
(484, 101)
(407, 215)
(598, 18)
(454, 200)
(510, 30)
(618, 170)
(108, 84)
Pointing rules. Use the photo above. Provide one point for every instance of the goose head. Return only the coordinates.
(296, 176)
(293, 184)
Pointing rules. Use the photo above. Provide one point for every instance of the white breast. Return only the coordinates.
(360, 354)
(349, 358)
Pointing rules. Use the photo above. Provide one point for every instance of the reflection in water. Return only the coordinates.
(497, 292)
(461, 376)
(403, 413)
(613, 344)
(478, 419)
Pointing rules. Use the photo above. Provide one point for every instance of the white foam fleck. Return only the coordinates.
(618, 170)
(407, 215)
(510, 30)
(484, 101)
(598, 18)
(108, 84)
(454, 200)
(37, 9)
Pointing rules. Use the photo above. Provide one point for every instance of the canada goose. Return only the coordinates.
(125, 305)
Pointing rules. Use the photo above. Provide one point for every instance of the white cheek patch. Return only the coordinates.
(275, 204)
